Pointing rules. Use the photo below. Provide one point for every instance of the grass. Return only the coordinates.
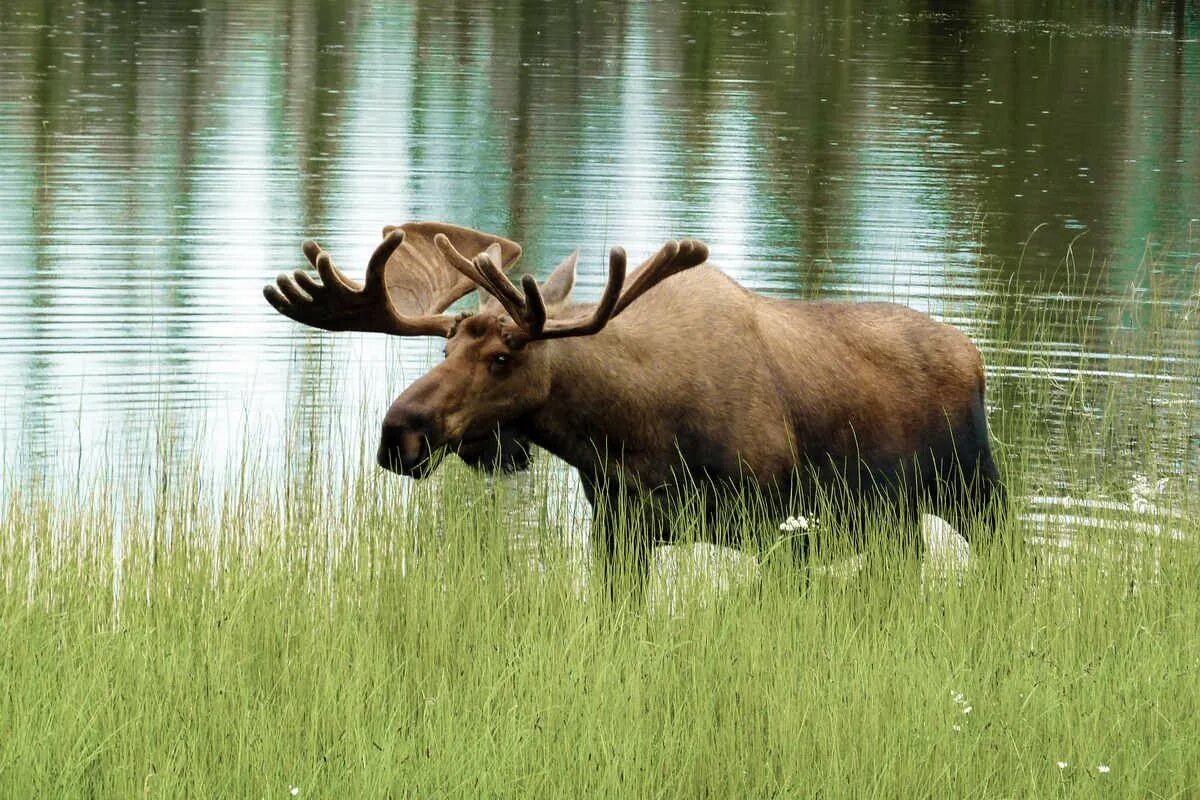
(338, 632)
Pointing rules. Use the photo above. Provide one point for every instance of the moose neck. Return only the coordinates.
(591, 419)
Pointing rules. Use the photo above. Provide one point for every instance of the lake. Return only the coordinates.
(159, 163)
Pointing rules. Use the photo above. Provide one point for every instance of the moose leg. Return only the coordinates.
(984, 503)
(621, 563)
(786, 526)
(980, 504)
(799, 549)
(885, 527)
(879, 508)
(971, 497)
(966, 489)
(619, 542)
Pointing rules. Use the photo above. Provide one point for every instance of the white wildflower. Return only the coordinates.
(967, 709)
(794, 524)
(1060, 764)
(957, 728)
(1103, 769)
(294, 791)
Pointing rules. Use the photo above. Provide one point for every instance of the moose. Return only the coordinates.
(679, 381)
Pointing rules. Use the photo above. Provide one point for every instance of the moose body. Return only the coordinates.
(699, 384)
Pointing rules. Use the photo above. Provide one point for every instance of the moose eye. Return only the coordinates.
(500, 363)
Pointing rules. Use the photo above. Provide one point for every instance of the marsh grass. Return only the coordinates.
(321, 626)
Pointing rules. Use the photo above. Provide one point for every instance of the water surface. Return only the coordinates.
(160, 162)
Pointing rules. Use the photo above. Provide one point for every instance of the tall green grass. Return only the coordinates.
(326, 629)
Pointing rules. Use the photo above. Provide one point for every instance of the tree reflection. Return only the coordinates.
(171, 158)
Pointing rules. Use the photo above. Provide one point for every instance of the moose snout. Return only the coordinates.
(406, 441)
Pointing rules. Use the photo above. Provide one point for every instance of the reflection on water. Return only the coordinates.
(159, 163)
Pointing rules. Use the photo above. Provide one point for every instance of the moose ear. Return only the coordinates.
(495, 254)
(556, 291)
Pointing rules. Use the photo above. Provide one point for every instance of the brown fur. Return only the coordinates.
(702, 379)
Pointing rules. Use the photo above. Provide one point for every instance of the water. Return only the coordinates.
(159, 163)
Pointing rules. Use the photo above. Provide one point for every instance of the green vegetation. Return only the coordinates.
(348, 634)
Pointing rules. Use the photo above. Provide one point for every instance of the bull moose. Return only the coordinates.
(678, 378)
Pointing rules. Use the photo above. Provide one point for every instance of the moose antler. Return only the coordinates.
(407, 286)
(528, 308)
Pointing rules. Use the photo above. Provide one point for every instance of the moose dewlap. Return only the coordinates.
(678, 379)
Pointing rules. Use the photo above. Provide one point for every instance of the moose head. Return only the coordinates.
(495, 374)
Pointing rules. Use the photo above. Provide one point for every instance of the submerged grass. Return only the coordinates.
(331, 632)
